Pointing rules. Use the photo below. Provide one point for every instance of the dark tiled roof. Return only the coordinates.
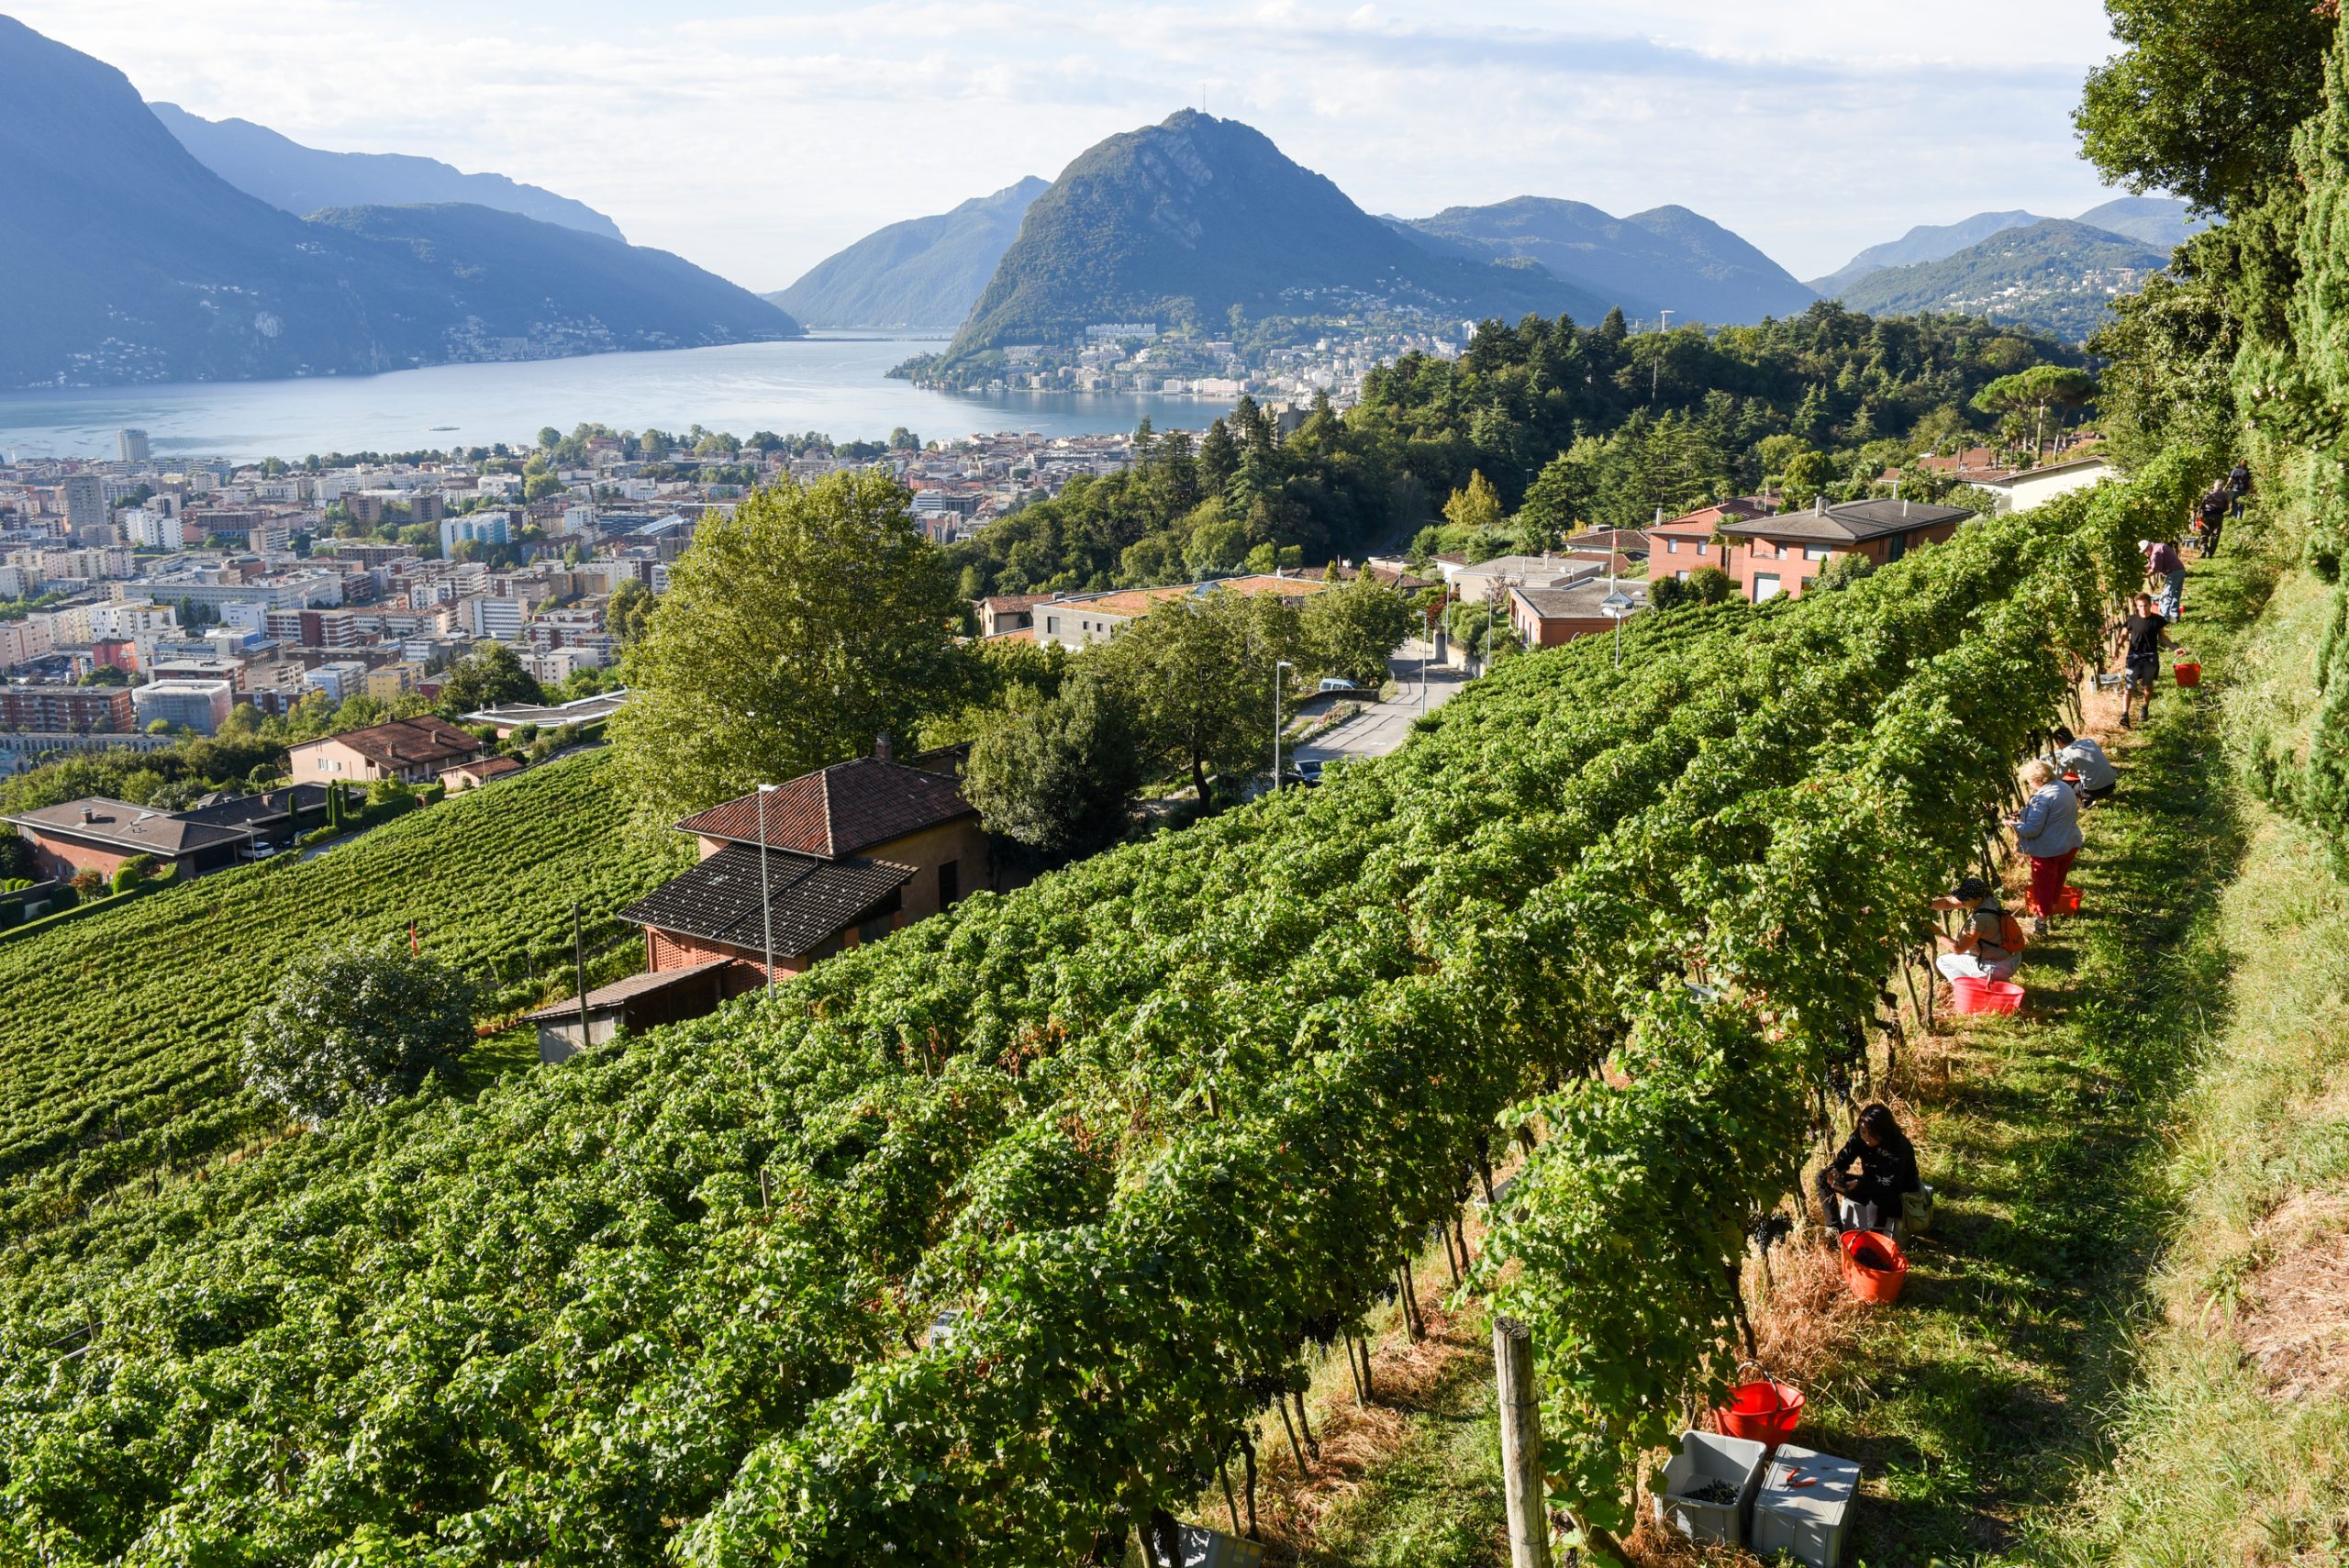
(635, 985)
(407, 742)
(121, 826)
(1849, 522)
(249, 810)
(811, 899)
(839, 810)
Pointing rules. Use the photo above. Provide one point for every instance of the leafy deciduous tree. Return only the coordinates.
(349, 1027)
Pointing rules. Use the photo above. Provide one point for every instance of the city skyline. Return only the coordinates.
(755, 143)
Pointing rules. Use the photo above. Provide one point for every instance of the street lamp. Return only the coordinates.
(1278, 665)
(766, 909)
(1615, 607)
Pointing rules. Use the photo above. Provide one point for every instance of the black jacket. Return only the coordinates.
(1885, 1173)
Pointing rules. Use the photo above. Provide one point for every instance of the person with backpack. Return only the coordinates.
(1989, 941)
(2166, 566)
(2047, 830)
(2143, 636)
(2239, 487)
(2213, 509)
(1869, 1197)
(2080, 754)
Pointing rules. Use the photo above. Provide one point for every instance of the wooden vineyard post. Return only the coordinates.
(1529, 1523)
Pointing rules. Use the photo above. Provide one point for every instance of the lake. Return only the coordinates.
(837, 384)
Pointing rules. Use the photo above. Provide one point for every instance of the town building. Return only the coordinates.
(98, 835)
(414, 750)
(82, 709)
(200, 706)
(788, 876)
(1782, 553)
(1547, 617)
(1084, 619)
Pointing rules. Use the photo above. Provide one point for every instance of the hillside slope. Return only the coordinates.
(923, 273)
(145, 265)
(2163, 222)
(1197, 214)
(285, 173)
(2055, 274)
(117, 1046)
(1669, 256)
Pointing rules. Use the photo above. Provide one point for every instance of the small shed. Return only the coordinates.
(473, 775)
(640, 1002)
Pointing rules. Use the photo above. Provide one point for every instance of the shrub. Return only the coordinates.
(133, 872)
(352, 1027)
(87, 884)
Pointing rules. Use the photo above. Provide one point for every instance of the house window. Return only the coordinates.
(1672, 547)
(1766, 587)
(1814, 552)
(1895, 548)
(1051, 625)
(1682, 574)
(950, 883)
(1700, 550)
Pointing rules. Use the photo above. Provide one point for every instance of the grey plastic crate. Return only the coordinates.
(1708, 1456)
(1810, 1523)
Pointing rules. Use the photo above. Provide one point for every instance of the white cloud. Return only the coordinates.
(755, 141)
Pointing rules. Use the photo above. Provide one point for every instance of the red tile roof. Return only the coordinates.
(405, 742)
(839, 810)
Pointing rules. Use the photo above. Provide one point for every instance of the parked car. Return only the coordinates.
(1336, 684)
(1308, 770)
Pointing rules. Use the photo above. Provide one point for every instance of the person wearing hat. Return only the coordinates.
(1989, 941)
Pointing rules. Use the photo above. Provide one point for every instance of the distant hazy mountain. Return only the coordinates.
(2057, 274)
(923, 273)
(1926, 242)
(285, 173)
(1196, 214)
(1664, 257)
(2163, 222)
(145, 265)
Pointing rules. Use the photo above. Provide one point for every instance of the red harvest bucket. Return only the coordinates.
(1874, 1266)
(1971, 995)
(2067, 902)
(1765, 1412)
(2187, 672)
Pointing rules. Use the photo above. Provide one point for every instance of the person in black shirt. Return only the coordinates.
(1888, 1168)
(2239, 487)
(2145, 634)
(2213, 509)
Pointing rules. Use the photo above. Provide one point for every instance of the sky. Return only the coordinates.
(755, 138)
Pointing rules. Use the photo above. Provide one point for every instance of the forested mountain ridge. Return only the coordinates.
(2056, 276)
(301, 180)
(923, 273)
(147, 266)
(1193, 218)
(1568, 425)
(1925, 242)
(1667, 256)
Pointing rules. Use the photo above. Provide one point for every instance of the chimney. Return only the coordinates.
(1819, 505)
(88, 815)
(884, 748)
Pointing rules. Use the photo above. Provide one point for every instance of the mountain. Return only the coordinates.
(1926, 242)
(139, 263)
(1667, 256)
(2163, 222)
(2057, 274)
(923, 273)
(1196, 214)
(285, 173)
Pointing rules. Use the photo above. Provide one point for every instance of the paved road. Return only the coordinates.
(1382, 727)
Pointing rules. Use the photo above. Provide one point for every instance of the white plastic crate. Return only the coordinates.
(1703, 1457)
(1204, 1548)
(1812, 1522)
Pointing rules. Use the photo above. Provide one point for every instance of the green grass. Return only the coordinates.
(1435, 1501)
(1976, 1405)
